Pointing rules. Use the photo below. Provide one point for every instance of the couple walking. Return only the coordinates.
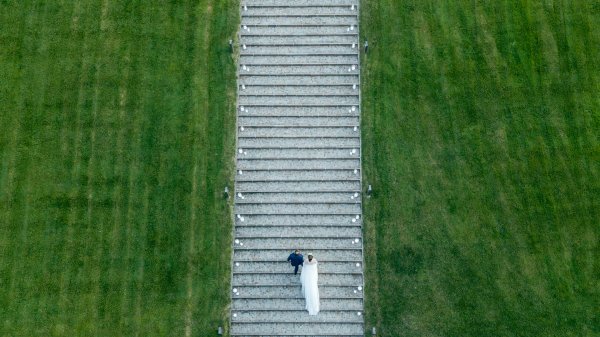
(309, 278)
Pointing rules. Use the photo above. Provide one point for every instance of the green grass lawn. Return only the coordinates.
(117, 128)
(481, 134)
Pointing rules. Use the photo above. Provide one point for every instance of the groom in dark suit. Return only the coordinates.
(296, 259)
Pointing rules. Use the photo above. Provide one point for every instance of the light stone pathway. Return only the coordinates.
(298, 178)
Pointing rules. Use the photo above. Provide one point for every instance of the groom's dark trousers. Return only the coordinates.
(296, 260)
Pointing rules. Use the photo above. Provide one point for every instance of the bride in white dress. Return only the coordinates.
(309, 278)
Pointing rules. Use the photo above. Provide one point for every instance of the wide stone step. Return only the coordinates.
(295, 291)
(299, 186)
(319, 121)
(249, 209)
(297, 153)
(297, 175)
(345, 79)
(294, 232)
(297, 231)
(299, 40)
(250, 143)
(299, 220)
(299, 20)
(300, 100)
(344, 49)
(297, 329)
(291, 90)
(317, 30)
(285, 267)
(327, 197)
(297, 3)
(289, 279)
(297, 164)
(306, 244)
(299, 316)
(300, 111)
(274, 70)
(265, 131)
(250, 60)
(346, 255)
(250, 10)
(295, 304)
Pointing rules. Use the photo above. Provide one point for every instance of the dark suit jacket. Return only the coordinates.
(296, 259)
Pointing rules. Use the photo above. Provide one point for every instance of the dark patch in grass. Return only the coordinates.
(405, 260)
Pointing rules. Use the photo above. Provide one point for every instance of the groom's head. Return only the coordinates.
(297, 251)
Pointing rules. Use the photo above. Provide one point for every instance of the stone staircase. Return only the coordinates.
(298, 180)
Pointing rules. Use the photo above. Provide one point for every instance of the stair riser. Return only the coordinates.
(295, 304)
(302, 50)
(300, 80)
(291, 291)
(274, 70)
(297, 153)
(304, 244)
(299, 110)
(332, 197)
(299, 30)
(298, 220)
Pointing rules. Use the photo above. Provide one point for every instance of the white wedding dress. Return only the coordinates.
(309, 278)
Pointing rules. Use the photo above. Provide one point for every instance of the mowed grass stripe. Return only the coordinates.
(115, 262)
(484, 218)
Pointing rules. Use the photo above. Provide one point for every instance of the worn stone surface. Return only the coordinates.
(311, 89)
(343, 49)
(285, 279)
(298, 220)
(287, 197)
(284, 267)
(307, 69)
(279, 255)
(298, 177)
(297, 59)
(341, 79)
(297, 186)
(304, 143)
(297, 3)
(299, 20)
